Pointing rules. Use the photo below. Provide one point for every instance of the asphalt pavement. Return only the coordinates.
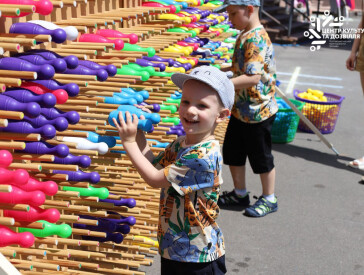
(319, 227)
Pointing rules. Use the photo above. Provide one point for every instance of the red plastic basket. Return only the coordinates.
(323, 115)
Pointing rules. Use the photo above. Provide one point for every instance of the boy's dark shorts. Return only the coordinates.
(217, 267)
(252, 140)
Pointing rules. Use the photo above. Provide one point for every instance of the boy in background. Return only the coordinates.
(189, 173)
(248, 132)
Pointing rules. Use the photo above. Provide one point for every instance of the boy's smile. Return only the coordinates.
(189, 121)
(199, 111)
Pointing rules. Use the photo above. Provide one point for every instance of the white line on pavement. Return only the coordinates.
(313, 76)
(313, 84)
(292, 81)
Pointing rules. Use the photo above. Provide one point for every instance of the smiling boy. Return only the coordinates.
(189, 173)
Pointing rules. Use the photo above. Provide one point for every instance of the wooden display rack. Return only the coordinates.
(74, 255)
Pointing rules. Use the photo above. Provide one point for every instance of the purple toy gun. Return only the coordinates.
(58, 35)
(128, 220)
(175, 132)
(72, 89)
(71, 60)
(51, 113)
(186, 66)
(58, 64)
(101, 74)
(201, 41)
(170, 61)
(103, 226)
(16, 64)
(143, 62)
(60, 123)
(31, 109)
(92, 177)
(42, 148)
(47, 131)
(83, 161)
(47, 100)
(122, 202)
(111, 69)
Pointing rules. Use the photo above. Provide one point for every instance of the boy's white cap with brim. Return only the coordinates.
(212, 76)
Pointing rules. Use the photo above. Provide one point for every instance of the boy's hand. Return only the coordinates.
(128, 128)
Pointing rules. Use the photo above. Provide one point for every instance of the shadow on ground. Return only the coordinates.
(317, 156)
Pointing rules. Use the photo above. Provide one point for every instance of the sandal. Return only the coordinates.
(357, 163)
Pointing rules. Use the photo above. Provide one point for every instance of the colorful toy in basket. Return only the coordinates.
(322, 113)
(315, 95)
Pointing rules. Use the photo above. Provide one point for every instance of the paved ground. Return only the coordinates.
(319, 227)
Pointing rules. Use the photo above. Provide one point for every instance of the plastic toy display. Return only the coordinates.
(84, 205)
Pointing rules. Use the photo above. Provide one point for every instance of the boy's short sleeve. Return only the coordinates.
(254, 54)
(197, 168)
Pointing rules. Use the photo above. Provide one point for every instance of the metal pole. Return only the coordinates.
(306, 121)
(318, 8)
(290, 18)
(308, 8)
(302, 117)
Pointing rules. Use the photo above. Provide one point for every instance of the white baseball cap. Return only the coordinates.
(212, 76)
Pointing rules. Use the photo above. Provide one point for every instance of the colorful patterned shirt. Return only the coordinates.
(187, 230)
(254, 54)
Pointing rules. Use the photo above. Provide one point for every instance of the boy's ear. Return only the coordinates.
(224, 113)
(250, 10)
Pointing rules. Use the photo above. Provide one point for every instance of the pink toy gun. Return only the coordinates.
(43, 7)
(60, 94)
(185, 44)
(51, 215)
(95, 38)
(172, 8)
(5, 158)
(49, 188)
(133, 38)
(17, 177)
(17, 196)
(190, 58)
(8, 237)
(211, 31)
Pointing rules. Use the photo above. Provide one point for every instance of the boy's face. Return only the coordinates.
(239, 16)
(200, 110)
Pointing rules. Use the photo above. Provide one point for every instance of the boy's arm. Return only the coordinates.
(128, 134)
(350, 62)
(225, 69)
(243, 81)
(144, 146)
(252, 69)
(246, 81)
(152, 176)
